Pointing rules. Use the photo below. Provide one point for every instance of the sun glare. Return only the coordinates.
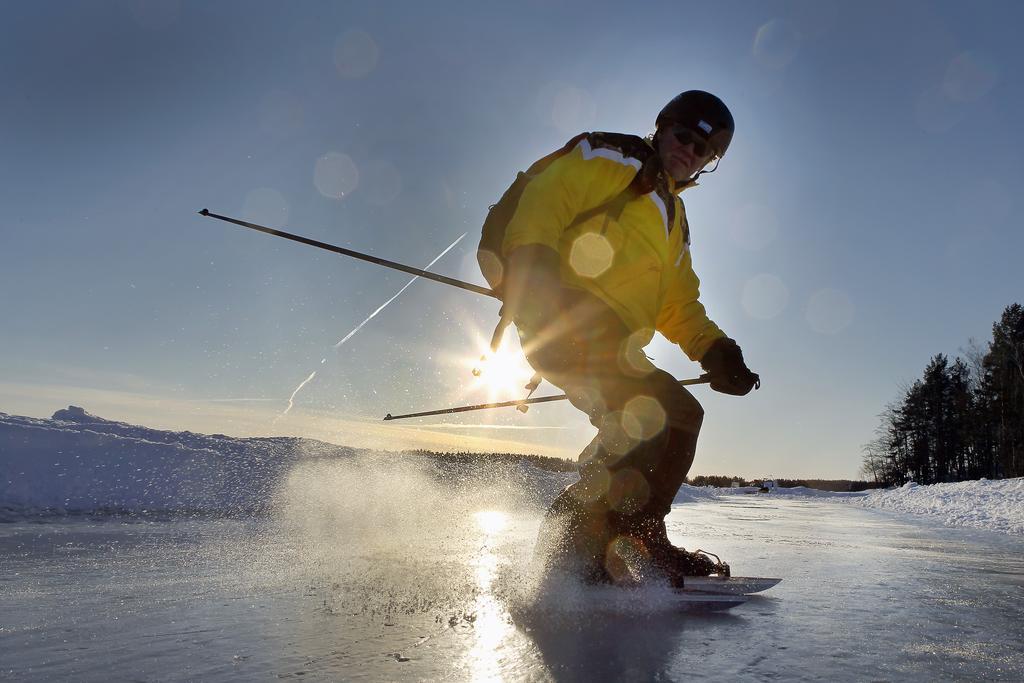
(500, 375)
(504, 373)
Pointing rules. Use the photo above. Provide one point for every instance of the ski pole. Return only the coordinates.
(443, 279)
(703, 379)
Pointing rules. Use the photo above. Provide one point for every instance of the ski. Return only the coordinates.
(707, 601)
(728, 585)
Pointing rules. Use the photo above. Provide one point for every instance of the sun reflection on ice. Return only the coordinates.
(491, 521)
(491, 624)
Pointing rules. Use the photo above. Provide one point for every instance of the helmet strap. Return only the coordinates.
(701, 172)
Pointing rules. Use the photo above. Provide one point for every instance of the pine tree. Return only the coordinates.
(1002, 393)
(955, 424)
(962, 420)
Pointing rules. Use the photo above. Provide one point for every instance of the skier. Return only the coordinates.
(594, 260)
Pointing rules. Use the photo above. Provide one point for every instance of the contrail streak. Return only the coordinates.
(291, 401)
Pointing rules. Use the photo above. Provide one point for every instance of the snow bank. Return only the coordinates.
(995, 505)
(983, 504)
(77, 462)
(690, 494)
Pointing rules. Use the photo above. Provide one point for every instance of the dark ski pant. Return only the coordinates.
(647, 428)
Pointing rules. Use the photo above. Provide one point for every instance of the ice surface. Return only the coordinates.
(317, 562)
(444, 593)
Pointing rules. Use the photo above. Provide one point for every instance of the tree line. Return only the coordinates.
(543, 462)
(819, 484)
(961, 420)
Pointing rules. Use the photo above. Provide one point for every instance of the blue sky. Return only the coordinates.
(864, 219)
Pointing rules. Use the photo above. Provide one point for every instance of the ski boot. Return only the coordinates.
(696, 563)
(573, 538)
(671, 562)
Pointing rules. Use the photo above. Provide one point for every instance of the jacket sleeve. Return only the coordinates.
(682, 318)
(583, 178)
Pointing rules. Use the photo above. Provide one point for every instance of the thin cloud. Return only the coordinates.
(163, 411)
(235, 400)
(453, 425)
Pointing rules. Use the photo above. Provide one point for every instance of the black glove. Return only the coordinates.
(728, 373)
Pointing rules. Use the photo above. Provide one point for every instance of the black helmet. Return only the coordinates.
(703, 113)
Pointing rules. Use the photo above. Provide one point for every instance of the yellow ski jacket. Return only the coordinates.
(638, 263)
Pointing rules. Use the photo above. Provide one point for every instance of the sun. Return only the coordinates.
(503, 373)
(500, 375)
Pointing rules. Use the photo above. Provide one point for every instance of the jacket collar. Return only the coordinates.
(655, 176)
(676, 188)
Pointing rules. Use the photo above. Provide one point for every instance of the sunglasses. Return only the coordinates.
(686, 136)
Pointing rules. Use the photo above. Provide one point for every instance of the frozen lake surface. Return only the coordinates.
(866, 596)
